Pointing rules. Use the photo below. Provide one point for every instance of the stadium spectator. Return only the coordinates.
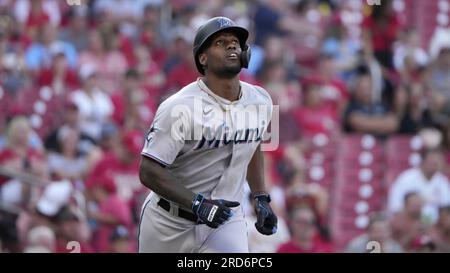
(305, 237)
(104, 55)
(378, 231)
(41, 53)
(426, 180)
(182, 74)
(108, 137)
(33, 13)
(122, 164)
(72, 231)
(409, 57)
(446, 145)
(284, 92)
(365, 116)
(338, 44)
(152, 77)
(270, 19)
(71, 119)
(412, 108)
(68, 164)
(333, 90)
(21, 154)
(110, 210)
(133, 107)
(75, 27)
(59, 76)
(406, 225)
(316, 116)
(439, 234)
(120, 241)
(40, 239)
(439, 74)
(380, 30)
(95, 106)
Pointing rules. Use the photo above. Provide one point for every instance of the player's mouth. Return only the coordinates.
(232, 56)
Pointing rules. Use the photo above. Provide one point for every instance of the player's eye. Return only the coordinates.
(219, 42)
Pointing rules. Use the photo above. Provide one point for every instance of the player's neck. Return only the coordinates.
(226, 88)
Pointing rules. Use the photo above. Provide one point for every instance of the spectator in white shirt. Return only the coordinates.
(94, 105)
(428, 181)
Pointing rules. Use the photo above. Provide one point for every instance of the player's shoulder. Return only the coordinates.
(184, 97)
(256, 92)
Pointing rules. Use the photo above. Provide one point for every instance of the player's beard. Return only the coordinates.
(228, 71)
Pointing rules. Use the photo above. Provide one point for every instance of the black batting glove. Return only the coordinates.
(213, 213)
(266, 222)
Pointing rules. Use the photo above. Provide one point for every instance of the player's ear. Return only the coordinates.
(202, 58)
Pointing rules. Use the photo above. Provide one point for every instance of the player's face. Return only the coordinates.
(223, 55)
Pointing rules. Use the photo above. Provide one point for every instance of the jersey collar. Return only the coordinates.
(217, 98)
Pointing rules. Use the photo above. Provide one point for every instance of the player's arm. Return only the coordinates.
(266, 219)
(255, 172)
(163, 142)
(160, 180)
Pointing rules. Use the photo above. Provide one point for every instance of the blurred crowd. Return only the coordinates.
(80, 84)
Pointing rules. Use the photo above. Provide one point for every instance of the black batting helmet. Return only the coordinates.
(216, 25)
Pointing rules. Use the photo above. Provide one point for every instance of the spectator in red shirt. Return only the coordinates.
(182, 74)
(333, 90)
(284, 91)
(72, 227)
(60, 77)
(380, 31)
(133, 107)
(305, 236)
(36, 17)
(153, 77)
(122, 164)
(150, 38)
(111, 210)
(316, 117)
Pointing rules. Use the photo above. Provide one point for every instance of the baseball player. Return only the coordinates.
(199, 152)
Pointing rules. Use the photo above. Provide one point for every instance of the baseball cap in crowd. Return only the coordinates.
(55, 196)
(120, 232)
(87, 71)
(133, 141)
(105, 182)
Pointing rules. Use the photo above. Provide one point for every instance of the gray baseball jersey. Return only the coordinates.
(207, 143)
(193, 136)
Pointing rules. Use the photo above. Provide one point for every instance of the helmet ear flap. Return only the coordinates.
(245, 56)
